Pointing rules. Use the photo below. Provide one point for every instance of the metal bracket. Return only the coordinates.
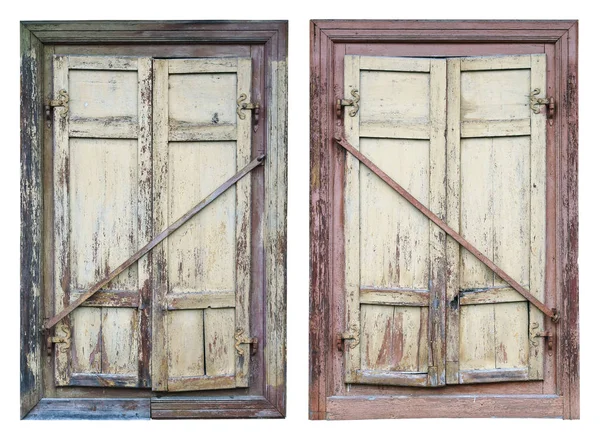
(61, 101)
(241, 339)
(535, 102)
(351, 334)
(65, 339)
(254, 107)
(547, 334)
(348, 102)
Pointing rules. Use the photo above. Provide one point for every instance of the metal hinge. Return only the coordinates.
(351, 334)
(535, 102)
(547, 334)
(65, 339)
(254, 107)
(241, 339)
(348, 102)
(61, 101)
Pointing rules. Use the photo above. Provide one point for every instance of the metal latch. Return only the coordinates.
(61, 101)
(65, 339)
(254, 107)
(547, 334)
(351, 334)
(348, 102)
(241, 339)
(535, 102)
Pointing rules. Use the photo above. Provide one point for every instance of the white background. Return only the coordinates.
(299, 13)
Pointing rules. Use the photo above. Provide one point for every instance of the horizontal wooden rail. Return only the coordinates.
(552, 313)
(162, 236)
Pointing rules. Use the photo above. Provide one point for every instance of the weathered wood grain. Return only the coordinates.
(211, 252)
(102, 224)
(31, 236)
(160, 123)
(214, 407)
(91, 409)
(275, 186)
(326, 44)
(243, 231)
(538, 218)
(272, 79)
(475, 406)
(395, 248)
(453, 206)
(352, 222)
(394, 296)
(490, 295)
(62, 252)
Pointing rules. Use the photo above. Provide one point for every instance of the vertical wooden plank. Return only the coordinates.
(120, 328)
(86, 340)
(220, 354)
(537, 253)
(423, 341)
(477, 345)
(453, 203)
(48, 232)
(201, 254)
(186, 355)
(511, 199)
(571, 280)
(376, 337)
(144, 218)
(160, 125)
(31, 236)
(320, 337)
(511, 335)
(437, 204)
(511, 158)
(276, 296)
(352, 220)
(62, 273)
(407, 338)
(243, 225)
(477, 207)
(394, 236)
(476, 323)
(551, 364)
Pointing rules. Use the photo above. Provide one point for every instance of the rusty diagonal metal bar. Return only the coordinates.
(159, 238)
(552, 313)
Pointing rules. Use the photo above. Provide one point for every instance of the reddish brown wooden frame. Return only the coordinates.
(558, 395)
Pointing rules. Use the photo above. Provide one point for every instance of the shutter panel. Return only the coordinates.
(202, 280)
(395, 276)
(102, 195)
(496, 199)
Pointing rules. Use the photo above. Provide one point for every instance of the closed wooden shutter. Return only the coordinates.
(102, 198)
(460, 136)
(496, 200)
(202, 281)
(394, 255)
(138, 143)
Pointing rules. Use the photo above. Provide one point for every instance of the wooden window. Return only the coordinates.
(103, 214)
(138, 133)
(204, 286)
(487, 177)
(455, 122)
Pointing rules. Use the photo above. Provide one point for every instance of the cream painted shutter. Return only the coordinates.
(394, 278)
(102, 214)
(496, 200)
(420, 310)
(202, 271)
